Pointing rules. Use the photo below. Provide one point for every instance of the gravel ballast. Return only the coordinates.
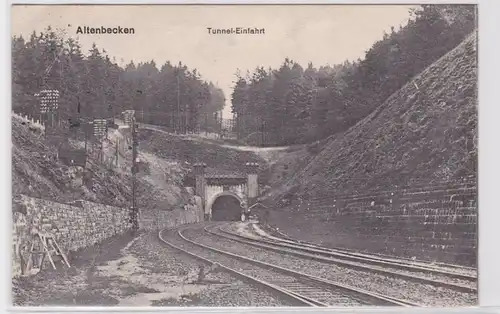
(441, 277)
(138, 270)
(330, 296)
(425, 295)
(216, 289)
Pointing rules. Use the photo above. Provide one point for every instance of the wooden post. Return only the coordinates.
(101, 151)
(116, 153)
(395, 202)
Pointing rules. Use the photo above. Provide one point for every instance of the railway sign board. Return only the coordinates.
(128, 116)
(100, 128)
(56, 139)
(49, 100)
(73, 157)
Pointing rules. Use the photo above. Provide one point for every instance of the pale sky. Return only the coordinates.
(322, 34)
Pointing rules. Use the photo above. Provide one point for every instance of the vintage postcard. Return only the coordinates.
(244, 155)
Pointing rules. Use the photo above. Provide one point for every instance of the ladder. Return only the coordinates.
(47, 247)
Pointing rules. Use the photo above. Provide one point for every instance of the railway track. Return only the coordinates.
(425, 275)
(296, 287)
(457, 270)
(383, 283)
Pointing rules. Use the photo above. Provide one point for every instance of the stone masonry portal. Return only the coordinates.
(210, 187)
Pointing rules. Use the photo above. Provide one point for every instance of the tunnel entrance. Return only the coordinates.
(226, 208)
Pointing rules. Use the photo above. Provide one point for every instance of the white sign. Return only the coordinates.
(100, 127)
(49, 99)
(128, 115)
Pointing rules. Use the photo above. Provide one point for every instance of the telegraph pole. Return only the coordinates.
(262, 131)
(206, 123)
(134, 212)
(178, 104)
(237, 122)
(116, 153)
(101, 151)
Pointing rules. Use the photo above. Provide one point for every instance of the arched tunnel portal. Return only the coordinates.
(226, 206)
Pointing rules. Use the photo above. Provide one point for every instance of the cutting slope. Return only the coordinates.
(36, 172)
(426, 132)
(219, 159)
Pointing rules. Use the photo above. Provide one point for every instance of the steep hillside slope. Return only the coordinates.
(424, 133)
(218, 158)
(36, 172)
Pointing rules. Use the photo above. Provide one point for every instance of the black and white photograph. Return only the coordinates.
(209, 155)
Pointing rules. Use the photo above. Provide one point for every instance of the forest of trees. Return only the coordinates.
(93, 85)
(293, 105)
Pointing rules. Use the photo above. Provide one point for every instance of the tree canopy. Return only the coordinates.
(93, 85)
(293, 104)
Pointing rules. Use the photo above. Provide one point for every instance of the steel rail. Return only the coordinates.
(361, 257)
(333, 259)
(374, 298)
(293, 297)
(404, 261)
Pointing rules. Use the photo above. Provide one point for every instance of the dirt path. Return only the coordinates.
(130, 270)
(269, 154)
(136, 271)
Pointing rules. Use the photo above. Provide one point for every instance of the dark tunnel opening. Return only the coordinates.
(226, 208)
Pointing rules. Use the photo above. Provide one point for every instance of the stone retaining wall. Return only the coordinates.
(434, 223)
(81, 224)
